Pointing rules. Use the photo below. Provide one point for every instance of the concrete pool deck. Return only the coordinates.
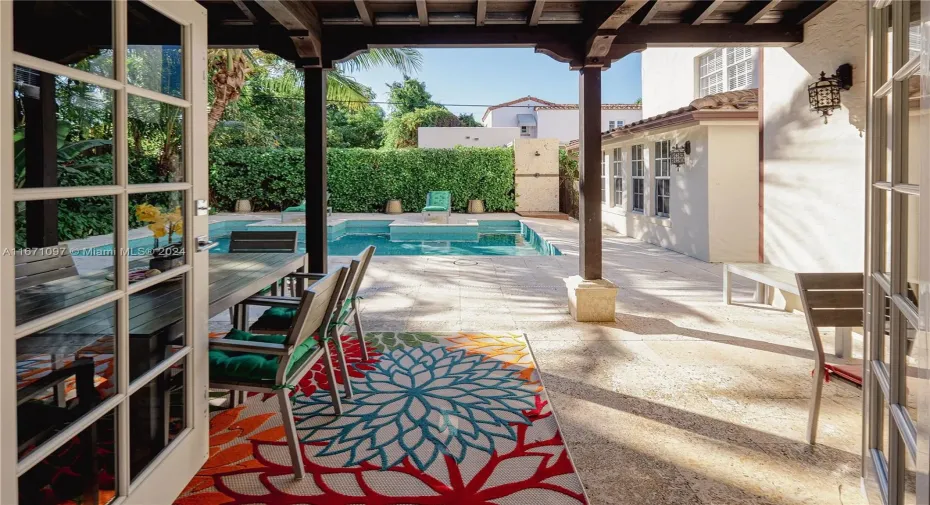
(680, 400)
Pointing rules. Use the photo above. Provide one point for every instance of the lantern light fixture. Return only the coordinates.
(824, 95)
(677, 154)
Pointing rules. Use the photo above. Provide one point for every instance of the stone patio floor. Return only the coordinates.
(682, 400)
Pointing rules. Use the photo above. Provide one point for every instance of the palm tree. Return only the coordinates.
(231, 67)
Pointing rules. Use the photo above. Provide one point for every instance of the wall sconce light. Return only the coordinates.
(824, 95)
(678, 153)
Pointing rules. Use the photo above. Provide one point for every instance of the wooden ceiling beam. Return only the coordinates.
(757, 12)
(302, 22)
(481, 12)
(813, 8)
(599, 45)
(538, 7)
(622, 14)
(245, 10)
(650, 12)
(704, 14)
(365, 13)
(422, 13)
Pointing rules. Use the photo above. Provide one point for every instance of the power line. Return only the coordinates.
(374, 102)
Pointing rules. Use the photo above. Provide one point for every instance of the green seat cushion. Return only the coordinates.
(246, 366)
(298, 208)
(276, 318)
(434, 208)
(438, 199)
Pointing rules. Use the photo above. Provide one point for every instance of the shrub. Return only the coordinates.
(363, 180)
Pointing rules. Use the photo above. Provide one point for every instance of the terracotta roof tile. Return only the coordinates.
(744, 99)
(526, 98)
(606, 106)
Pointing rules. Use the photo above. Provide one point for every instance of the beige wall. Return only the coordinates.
(814, 185)
(668, 78)
(733, 194)
(717, 185)
(536, 181)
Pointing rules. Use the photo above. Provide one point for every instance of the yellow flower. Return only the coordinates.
(178, 227)
(158, 228)
(147, 213)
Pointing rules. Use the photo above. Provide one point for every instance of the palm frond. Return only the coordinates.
(345, 90)
(406, 60)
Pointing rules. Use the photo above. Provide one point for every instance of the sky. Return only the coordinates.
(491, 76)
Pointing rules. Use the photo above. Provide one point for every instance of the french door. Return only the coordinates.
(103, 293)
(896, 424)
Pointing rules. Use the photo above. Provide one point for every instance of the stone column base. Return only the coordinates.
(591, 301)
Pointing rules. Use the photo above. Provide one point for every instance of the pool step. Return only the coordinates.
(403, 232)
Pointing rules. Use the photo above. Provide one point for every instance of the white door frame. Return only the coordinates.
(167, 474)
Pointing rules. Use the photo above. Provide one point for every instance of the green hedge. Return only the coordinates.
(363, 180)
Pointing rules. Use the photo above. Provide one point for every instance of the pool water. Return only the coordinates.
(349, 238)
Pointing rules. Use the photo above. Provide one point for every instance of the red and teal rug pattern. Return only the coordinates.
(454, 418)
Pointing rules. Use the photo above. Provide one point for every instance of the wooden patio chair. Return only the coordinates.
(259, 241)
(242, 361)
(278, 318)
(830, 300)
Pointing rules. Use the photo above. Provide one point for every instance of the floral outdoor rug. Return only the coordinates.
(458, 418)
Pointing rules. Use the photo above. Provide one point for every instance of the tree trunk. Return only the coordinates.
(216, 111)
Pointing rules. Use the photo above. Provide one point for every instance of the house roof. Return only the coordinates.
(606, 106)
(527, 98)
(740, 104)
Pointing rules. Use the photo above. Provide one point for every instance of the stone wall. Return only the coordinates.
(536, 175)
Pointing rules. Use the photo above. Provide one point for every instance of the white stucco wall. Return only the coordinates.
(702, 198)
(563, 124)
(507, 116)
(814, 172)
(668, 78)
(444, 137)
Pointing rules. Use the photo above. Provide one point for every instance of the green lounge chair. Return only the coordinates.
(243, 361)
(438, 206)
(301, 210)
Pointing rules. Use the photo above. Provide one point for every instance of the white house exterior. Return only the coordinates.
(808, 176)
(706, 208)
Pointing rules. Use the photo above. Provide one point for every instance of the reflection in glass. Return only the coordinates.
(156, 325)
(912, 381)
(83, 470)
(82, 33)
(912, 244)
(154, 59)
(62, 131)
(64, 254)
(62, 373)
(157, 227)
(156, 132)
(157, 415)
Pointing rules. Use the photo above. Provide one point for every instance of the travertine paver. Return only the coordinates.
(681, 400)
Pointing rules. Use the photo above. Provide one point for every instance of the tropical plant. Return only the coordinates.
(69, 157)
(401, 131)
(231, 69)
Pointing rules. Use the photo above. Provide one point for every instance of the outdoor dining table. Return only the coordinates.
(160, 308)
(156, 323)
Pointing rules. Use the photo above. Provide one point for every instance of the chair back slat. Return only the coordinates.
(316, 307)
(364, 259)
(839, 318)
(832, 281)
(263, 241)
(830, 300)
(38, 266)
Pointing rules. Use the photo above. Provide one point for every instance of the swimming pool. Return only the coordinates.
(350, 237)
